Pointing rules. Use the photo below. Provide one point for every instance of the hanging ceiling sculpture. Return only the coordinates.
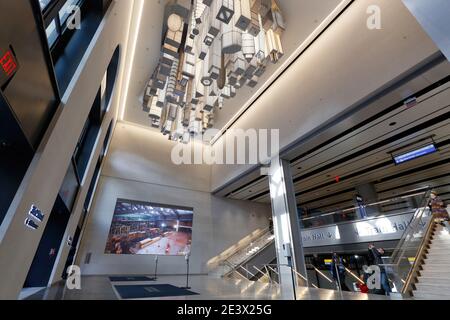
(210, 49)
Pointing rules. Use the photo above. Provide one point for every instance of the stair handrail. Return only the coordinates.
(412, 275)
(246, 249)
(320, 273)
(399, 269)
(415, 223)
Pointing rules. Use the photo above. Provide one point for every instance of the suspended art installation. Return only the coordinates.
(210, 49)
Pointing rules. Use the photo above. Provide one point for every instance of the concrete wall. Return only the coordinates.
(233, 220)
(43, 179)
(139, 167)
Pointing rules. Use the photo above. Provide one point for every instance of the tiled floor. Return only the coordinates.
(100, 288)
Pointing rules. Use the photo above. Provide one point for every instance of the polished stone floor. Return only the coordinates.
(101, 288)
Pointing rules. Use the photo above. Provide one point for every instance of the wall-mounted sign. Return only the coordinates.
(36, 213)
(361, 231)
(31, 224)
(69, 241)
(8, 65)
(414, 154)
(411, 102)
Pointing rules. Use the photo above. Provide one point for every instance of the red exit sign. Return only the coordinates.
(8, 66)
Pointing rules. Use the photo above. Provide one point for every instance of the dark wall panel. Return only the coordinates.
(15, 156)
(32, 94)
(44, 260)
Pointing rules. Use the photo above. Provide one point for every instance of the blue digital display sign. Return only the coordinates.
(415, 154)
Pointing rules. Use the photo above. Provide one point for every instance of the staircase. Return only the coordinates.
(433, 282)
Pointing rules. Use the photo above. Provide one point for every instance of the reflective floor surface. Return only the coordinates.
(101, 288)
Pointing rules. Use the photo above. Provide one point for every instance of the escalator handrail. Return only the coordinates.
(268, 230)
(260, 234)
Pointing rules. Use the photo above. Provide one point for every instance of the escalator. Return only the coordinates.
(245, 261)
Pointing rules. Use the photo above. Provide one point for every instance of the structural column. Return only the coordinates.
(288, 240)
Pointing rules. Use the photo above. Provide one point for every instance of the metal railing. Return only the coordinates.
(240, 257)
(335, 217)
(401, 263)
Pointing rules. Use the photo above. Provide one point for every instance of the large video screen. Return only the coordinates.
(148, 228)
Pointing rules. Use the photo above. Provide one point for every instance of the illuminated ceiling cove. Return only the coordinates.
(210, 50)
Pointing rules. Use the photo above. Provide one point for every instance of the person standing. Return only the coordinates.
(438, 209)
(271, 225)
(376, 255)
(338, 271)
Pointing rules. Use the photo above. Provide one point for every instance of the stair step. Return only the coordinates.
(441, 233)
(428, 280)
(433, 274)
(440, 238)
(436, 265)
(435, 260)
(437, 248)
(430, 296)
(439, 271)
(440, 246)
(440, 241)
(441, 259)
(436, 254)
(427, 287)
